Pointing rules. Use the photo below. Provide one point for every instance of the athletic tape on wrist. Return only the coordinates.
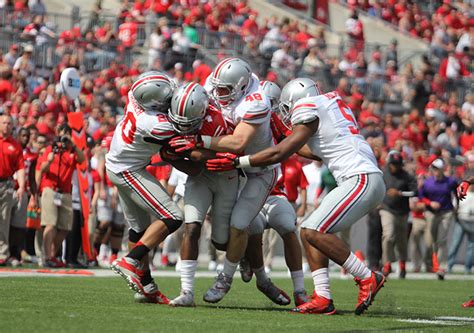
(206, 141)
(244, 162)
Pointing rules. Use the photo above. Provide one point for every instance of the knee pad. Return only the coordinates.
(134, 236)
(117, 230)
(172, 224)
(220, 247)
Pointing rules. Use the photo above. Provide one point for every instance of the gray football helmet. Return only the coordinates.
(230, 79)
(273, 92)
(188, 108)
(292, 92)
(153, 90)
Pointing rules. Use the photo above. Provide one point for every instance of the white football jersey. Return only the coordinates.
(337, 141)
(253, 107)
(138, 136)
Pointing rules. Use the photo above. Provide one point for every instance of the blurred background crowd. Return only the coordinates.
(424, 110)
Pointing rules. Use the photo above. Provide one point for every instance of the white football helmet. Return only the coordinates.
(273, 92)
(188, 108)
(230, 79)
(292, 92)
(153, 90)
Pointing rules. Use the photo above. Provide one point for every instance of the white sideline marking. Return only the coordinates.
(427, 321)
(471, 319)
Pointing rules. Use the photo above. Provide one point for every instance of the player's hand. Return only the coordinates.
(223, 162)
(169, 154)
(462, 190)
(184, 143)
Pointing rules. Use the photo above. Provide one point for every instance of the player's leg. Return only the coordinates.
(247, 207)
(254, 254)
(282, 218)
(197, 200)
(341, 208)
(141, 195)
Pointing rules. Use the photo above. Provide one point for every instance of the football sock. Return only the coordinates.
(103, 250)
(260, 275)
(229, 267)
(167, 243)
(356, 267)
(298, 280)
(138, 252)
(321, 282)
(188, 270)
(146, 278)
(402, 265)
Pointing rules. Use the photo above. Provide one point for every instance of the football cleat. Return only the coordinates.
(275, 294)
(151, 292)
(185, 299)
(469, 304)
(387, 269)
(219, 289)
(317, 305)
(245, 270)
(300, 297)
(129, 269)
(368, 288)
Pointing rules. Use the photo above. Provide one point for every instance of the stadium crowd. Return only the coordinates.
(423, 113)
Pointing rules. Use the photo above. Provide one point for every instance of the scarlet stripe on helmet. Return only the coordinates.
(218, 69)
(149, 78)
(184, 98)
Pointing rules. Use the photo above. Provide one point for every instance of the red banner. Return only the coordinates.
(76, 122)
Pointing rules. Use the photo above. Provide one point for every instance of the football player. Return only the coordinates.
(142, 132)
(278, 214)
(191, 114)
(247, 109)
(328, 126)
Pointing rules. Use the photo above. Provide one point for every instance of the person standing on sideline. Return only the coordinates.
(436, 193)
(394, 213)
(56, 167)
(11, 161)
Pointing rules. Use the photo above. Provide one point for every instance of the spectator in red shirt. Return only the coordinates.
(128, 32)
(55, 169)
(6, 88)
(11, 162)
(201, 72)
(250, 27)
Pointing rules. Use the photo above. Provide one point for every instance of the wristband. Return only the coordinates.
(206, 141)
(243, 162)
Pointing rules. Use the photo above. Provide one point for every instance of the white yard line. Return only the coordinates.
(470, 319)
(431, 322)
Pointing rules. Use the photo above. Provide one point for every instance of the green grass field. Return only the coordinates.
(51, 304)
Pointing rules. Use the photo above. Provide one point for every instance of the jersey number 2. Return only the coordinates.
(342, 106)
(129, 127)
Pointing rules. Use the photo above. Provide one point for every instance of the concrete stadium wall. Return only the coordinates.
(376, 31)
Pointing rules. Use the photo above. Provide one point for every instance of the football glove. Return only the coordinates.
(185, 143)
(223, 162)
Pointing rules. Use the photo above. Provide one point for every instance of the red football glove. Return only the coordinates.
(462, 190)
(223, 162)
(185, 143)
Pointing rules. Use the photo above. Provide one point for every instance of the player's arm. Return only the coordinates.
(235, 142)
(282, 151)
(180, 161)
(305, 152)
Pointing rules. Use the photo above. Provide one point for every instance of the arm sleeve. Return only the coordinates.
(162, 131)
(256, 117)
(304, 113)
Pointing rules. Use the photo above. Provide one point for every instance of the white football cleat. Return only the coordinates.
(219, 289)
(185, 299)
